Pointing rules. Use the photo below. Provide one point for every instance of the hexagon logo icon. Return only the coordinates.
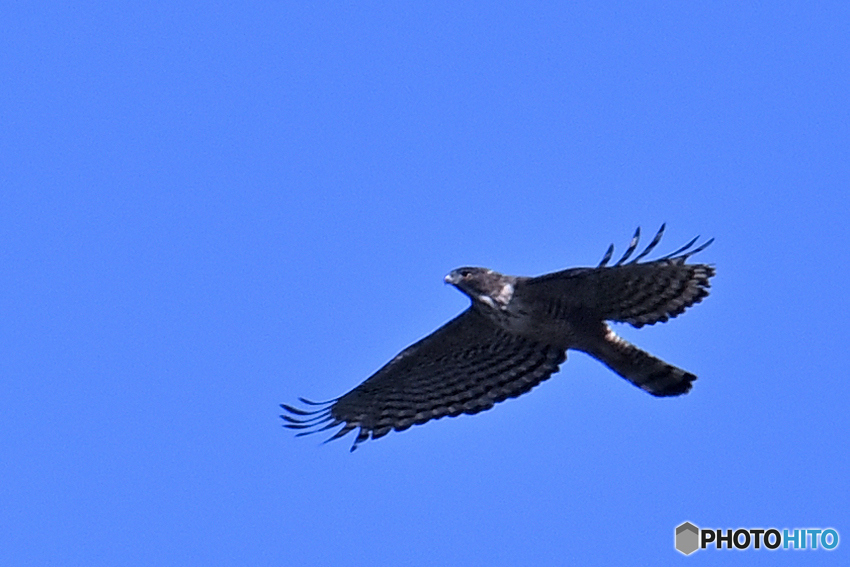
(687, 538)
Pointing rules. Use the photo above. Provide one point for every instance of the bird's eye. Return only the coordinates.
(465, 273)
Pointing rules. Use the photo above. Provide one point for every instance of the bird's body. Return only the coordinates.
(515, 335)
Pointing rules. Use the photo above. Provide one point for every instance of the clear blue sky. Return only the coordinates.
(207, 210)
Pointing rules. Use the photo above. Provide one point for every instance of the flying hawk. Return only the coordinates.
(515, 335)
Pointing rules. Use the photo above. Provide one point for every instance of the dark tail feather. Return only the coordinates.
(639, 367)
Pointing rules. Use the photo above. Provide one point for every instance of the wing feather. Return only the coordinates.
(466, 366)
(636, 293)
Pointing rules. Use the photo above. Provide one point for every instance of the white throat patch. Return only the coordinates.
(501, 299)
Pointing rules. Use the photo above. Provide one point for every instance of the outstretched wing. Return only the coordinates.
(636, 293)
(465, 366)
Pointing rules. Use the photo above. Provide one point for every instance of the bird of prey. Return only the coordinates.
(514, 335)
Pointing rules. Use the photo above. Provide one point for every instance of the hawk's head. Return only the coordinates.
(481, 284)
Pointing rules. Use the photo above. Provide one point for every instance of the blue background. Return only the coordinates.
(207, 209)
